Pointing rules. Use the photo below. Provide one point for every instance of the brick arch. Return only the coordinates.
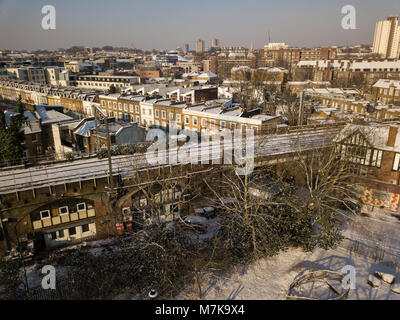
(26, 225)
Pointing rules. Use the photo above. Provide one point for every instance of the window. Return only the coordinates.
(85, 228)
(72, 231)
(63, 210)
(178, 118)
(171, 116)
(376, 158)
(223, 124)
(204, 123)
(156, 113)
(396, 162)
(233, 126)
(125, 107)
(187, 120)
(194, 121)
(53, 235)
(120, 106)
(81, 206)
(163, 114)
(34, 137)
(212, 124)
(103, 103)
(115, 105)
(137, 109)
(131, 108)
(61, 233)
(44, 214)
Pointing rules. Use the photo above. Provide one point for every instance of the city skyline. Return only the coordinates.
(233, 23)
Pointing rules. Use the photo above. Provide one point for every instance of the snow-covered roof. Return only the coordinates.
(32, 127)
(84, 129)
(385, 83)
(264, 117)
(376, 65)
(376, 134)
(208, 75)
(50, 116)
(298, 83)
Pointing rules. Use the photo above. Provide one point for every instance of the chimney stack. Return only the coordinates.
(392, 136)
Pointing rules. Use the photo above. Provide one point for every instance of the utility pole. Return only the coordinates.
(301, 109)
(109, 155)
(96, 123)
(105, 116)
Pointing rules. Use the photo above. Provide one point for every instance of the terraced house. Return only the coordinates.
(71, 98)
(122, 106)
(387, 91)
(105, 82)
(220, 114)
(167, 111)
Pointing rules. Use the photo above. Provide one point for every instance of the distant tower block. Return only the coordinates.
(200, 46)
(214, 43)
(387, 38)
(185, 48)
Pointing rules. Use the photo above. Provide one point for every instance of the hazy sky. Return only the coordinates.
(167, 24)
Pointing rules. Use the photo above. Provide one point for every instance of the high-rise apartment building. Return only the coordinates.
(200, 45)
(387, 38)
(214, 43)
(185, 48)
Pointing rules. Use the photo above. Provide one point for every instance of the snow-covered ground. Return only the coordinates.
(370, 245)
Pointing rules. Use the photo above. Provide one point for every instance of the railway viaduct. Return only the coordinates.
(67, 202)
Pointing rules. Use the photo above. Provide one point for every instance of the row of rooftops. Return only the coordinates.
(386, 65)
(386, 83)
(225, 107)
(90, 94)
(330, 92)
(66, 92)
(205, 75)
(265, 69)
